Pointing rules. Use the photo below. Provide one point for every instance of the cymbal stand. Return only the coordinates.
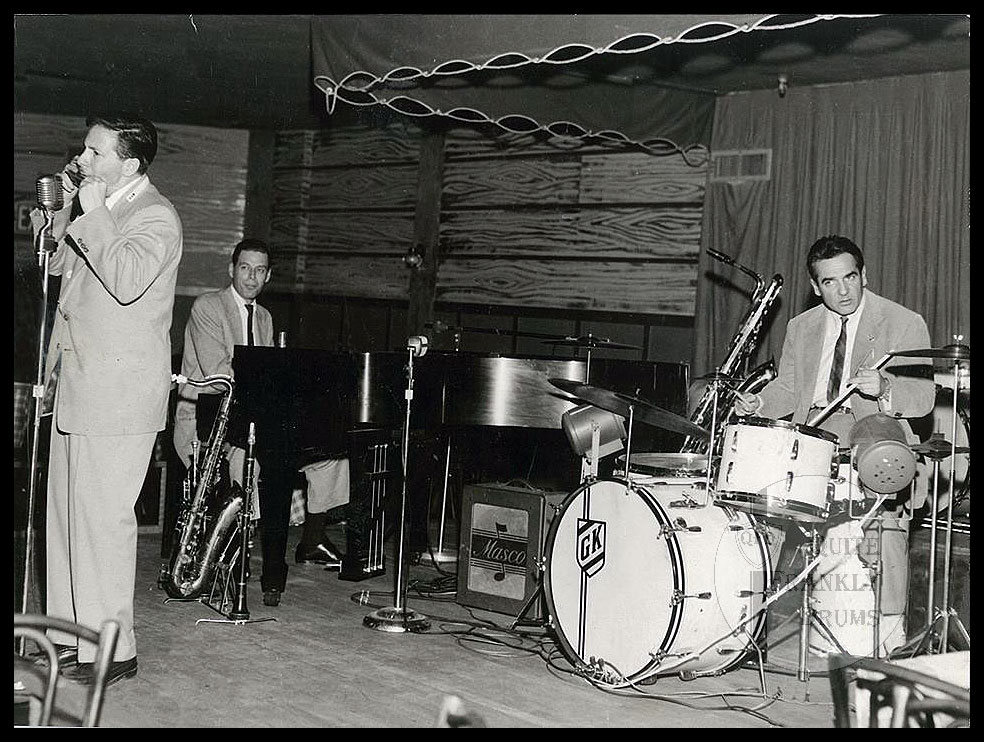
(45, 245)
(442, 555)
(808, 614)
(715, 392)
(944, 614)
(949, 514)
(397, 618)
(239, 613)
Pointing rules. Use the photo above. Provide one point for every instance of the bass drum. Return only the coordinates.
(637, 578)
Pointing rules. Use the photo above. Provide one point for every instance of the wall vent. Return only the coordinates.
(740, 165)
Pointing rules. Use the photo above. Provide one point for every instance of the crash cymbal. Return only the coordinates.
(620, 404)
(955, 352)
(590, 341)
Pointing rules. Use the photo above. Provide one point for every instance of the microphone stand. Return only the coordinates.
(397, 618)
(44, 240)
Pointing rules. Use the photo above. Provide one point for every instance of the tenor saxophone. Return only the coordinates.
(206, 527)
(721, 405)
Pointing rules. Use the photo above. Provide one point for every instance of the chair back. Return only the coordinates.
(35, 627)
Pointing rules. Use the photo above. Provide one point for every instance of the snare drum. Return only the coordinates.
(671, 465)
(638, 581)
(777, 469)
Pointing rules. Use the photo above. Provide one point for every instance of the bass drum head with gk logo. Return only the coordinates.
(636, 579)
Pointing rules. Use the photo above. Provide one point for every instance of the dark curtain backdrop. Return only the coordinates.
(884, 162)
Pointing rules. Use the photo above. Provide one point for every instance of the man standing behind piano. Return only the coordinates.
(219, 321)
(832, 346)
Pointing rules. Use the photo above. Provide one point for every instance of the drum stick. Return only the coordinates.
(825, 412)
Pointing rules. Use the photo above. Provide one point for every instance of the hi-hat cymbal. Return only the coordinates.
(938, 448)
(590, 341)
(623, 404)
(955, 352)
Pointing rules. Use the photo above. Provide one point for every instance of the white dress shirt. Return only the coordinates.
(831, 331)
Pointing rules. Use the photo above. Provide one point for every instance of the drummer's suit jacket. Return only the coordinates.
(884, 326)
(213, 331)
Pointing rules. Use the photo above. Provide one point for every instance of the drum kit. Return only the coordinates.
(666, 568)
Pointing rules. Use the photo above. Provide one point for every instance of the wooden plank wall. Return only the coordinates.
(202, 170)
(577, 235)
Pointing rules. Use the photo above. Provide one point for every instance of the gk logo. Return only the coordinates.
(590, 546)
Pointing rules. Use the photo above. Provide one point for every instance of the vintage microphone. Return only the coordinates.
(51, 199)
(397, 618)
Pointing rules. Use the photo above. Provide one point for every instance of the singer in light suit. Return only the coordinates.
(110, 352)
(902, 388)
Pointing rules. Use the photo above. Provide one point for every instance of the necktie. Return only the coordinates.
(837, 367)
(249, 324)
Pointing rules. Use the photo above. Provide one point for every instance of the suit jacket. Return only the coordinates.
(111, 331)
(213, 331)
(884, 326)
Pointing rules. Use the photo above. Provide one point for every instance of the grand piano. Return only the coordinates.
(498, 418)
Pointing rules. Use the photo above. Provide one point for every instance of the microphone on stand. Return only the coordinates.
(417, 344)
(50, 194)
(50, 198)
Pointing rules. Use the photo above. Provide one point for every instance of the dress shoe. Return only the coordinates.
(83, 673)
(271, 597)
(67, 655)
(324, 553)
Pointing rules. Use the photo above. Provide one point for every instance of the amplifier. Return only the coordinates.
(503, 530)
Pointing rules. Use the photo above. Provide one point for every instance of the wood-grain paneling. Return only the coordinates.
(523, 222)
(646, 288)
(202, 171)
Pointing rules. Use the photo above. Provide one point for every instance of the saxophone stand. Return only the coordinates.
(397, 618)
(239, 614)
(45, 246)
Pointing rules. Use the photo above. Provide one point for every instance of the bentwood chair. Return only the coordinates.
(35, 627)
(890, 694)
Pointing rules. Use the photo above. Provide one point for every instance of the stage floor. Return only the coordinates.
(318, 665)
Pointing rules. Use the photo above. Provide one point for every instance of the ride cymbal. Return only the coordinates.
(623, 404)
(954, 352)
(590, 341)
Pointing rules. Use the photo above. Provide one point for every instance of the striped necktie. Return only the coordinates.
(837, 367)
(249, 324)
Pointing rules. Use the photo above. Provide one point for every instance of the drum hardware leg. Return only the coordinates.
(397, 618)
(520, 619)
(442, 555)
(809, 616)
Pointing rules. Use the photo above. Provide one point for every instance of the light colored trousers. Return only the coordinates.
(93, 486)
